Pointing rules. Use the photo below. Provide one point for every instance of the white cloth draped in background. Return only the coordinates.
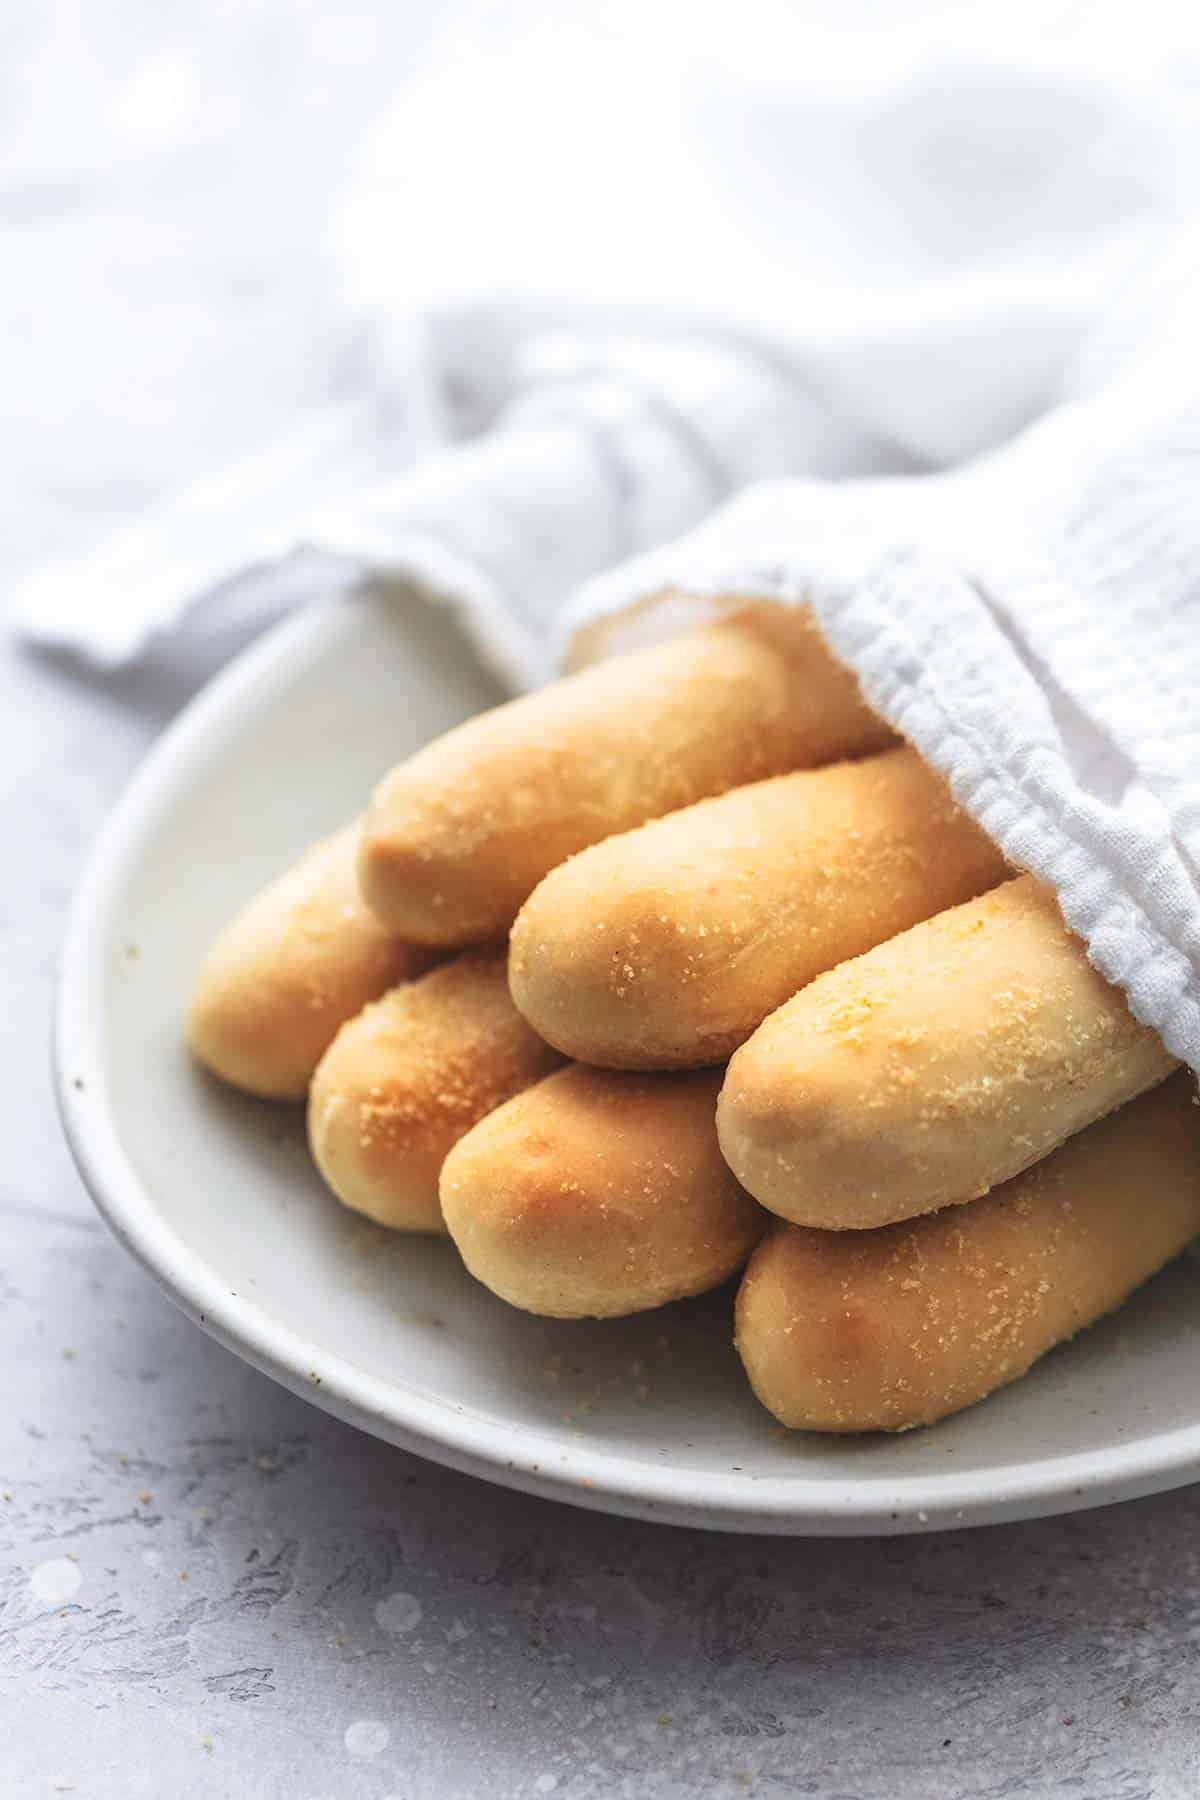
(929, 275)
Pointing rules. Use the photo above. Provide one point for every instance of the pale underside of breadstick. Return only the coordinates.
(888, 1329)
(299, 960)
(458, 836)
(403, 1082)
(667, 946)
(597, 1194)
(932, 1068)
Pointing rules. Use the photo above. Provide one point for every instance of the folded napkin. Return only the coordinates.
(1030, 621)
(884, 320)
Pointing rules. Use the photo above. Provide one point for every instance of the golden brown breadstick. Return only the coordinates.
(403, 1081)
(293, 966)
(597, 1194)
(932, 1068)
(665, 947)
(460, 834)
(883, 1330)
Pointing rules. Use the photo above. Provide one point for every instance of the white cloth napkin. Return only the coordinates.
(1031, 622)
(913, 273)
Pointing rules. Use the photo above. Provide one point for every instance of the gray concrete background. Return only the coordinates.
(206, 1588)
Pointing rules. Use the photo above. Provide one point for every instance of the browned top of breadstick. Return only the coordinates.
(932, 1067)
(597, 1193)
(868, 1330)
(298, 961)
(666, 946)
(460, 834)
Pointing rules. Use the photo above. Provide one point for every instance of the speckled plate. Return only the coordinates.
(215, 1195)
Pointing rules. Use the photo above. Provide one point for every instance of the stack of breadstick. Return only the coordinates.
(684, 967)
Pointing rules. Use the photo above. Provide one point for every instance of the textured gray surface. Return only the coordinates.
(206, 1588)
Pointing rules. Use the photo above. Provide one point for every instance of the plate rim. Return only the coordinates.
(457, 1437)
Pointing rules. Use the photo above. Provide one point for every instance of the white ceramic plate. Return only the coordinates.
(215, 1194)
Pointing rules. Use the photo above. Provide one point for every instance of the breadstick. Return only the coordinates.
(883, 1330)
(665, 947)
(596, 1194)
(932, 1068)
(403, 1081)
(458, 836)
(293, 966)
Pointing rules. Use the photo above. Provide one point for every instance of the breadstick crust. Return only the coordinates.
(934, 1067)
(298, 961)
(667, 946)
(458, 836)
(403, 1081)
(598, 1194)
(885, 1330)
